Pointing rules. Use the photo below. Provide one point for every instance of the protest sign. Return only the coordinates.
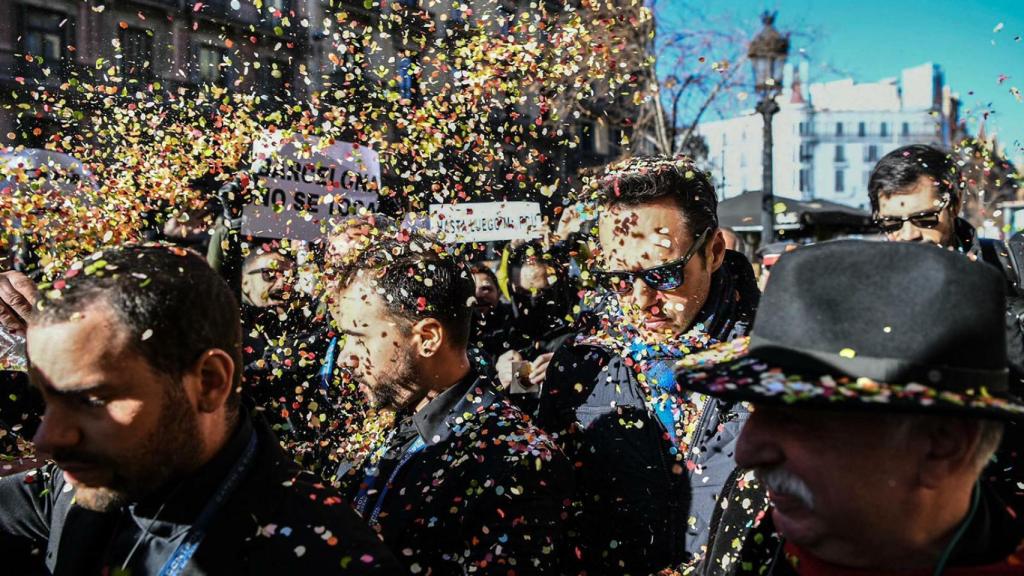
(486, 221)
(301, 184)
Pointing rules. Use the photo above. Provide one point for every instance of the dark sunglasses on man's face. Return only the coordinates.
(667, 276)
(924, 219)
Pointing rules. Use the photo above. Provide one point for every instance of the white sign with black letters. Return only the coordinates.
(486, 221)
(301, 184)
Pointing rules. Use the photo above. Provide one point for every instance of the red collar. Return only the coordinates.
(804, 564)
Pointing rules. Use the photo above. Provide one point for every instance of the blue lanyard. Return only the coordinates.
(183, 553)
(371, 478)
(327, 370)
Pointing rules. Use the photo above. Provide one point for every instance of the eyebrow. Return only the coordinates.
(75, 391)
(350, 332)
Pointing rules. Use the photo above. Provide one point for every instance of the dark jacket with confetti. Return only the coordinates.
(277, 521)
(466, 486)
(1006, 472)
(650, 459)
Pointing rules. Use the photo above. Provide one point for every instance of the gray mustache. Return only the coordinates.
(780, 481)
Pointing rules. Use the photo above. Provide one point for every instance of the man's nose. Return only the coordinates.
(643, 296)
(909, 232)
(57, 431)
(756, 447)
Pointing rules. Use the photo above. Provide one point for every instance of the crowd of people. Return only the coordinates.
(627, 404)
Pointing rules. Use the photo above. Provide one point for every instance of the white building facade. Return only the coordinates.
(827, 141)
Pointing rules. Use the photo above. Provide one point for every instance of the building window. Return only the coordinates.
(862, 129)
(906, 128)
(805, 180)
(840, 153)
(273, 79)
(871, 153)
(840, 183)
(805, 153)
(883, 130)
(136, 55)
(587, 138)
(211, 67)
(45, 40)
(276, 8)
(839, 128)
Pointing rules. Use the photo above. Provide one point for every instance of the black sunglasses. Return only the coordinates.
(667, 276)
(924, 219)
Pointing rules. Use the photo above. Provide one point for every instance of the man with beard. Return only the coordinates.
(158, 468)
(651, 461)
(873, 415)
(462, 483)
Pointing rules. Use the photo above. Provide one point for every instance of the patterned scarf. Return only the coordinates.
(727, 314)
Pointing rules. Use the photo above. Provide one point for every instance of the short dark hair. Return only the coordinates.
(418, 279)
(643, 179)
(901, 168)
(172, 303)
(481, 268)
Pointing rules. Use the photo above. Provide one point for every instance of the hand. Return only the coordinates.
(539, 369)
(18, 296)
(504, 367)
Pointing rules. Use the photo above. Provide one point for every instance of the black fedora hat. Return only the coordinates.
(875, 325)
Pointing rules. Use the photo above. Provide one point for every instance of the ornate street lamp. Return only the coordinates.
(767, 52)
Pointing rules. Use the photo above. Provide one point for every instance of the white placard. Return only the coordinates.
(300, 185)
(486, 221)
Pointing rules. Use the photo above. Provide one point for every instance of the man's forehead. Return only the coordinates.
(643, 235)
(88, 345)
(359, 298)
(923, 194)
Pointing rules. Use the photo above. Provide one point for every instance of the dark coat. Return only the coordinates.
(277, 521)
(481, 490)
(1007, 469)
(640, 506)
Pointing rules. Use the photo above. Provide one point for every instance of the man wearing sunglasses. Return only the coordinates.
(916, 195)
(651, 461)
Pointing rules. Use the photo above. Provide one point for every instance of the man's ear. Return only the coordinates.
(715, 254)
(214, 373)
(429, 335)
(952, 443)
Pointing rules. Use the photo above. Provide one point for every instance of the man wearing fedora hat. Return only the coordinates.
(873, 415)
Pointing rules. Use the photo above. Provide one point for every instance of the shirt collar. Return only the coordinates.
(437, 420)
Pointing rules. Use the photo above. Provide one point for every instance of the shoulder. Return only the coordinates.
(580, 369)
(305, 523)
(508, 432)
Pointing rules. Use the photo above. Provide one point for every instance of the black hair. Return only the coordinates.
(644, 179)
(898, 170)
(417, 279)
(481, 268)
(172, 303)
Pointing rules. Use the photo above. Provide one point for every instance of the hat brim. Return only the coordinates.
(730, 371)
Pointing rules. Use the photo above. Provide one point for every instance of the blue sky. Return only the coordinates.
(873, 39)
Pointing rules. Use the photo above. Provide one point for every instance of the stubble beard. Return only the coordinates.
(392, 390)
(167, 454)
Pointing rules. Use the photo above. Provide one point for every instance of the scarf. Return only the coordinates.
(727, 314)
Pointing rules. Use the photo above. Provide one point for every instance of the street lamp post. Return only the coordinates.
(767, 53)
